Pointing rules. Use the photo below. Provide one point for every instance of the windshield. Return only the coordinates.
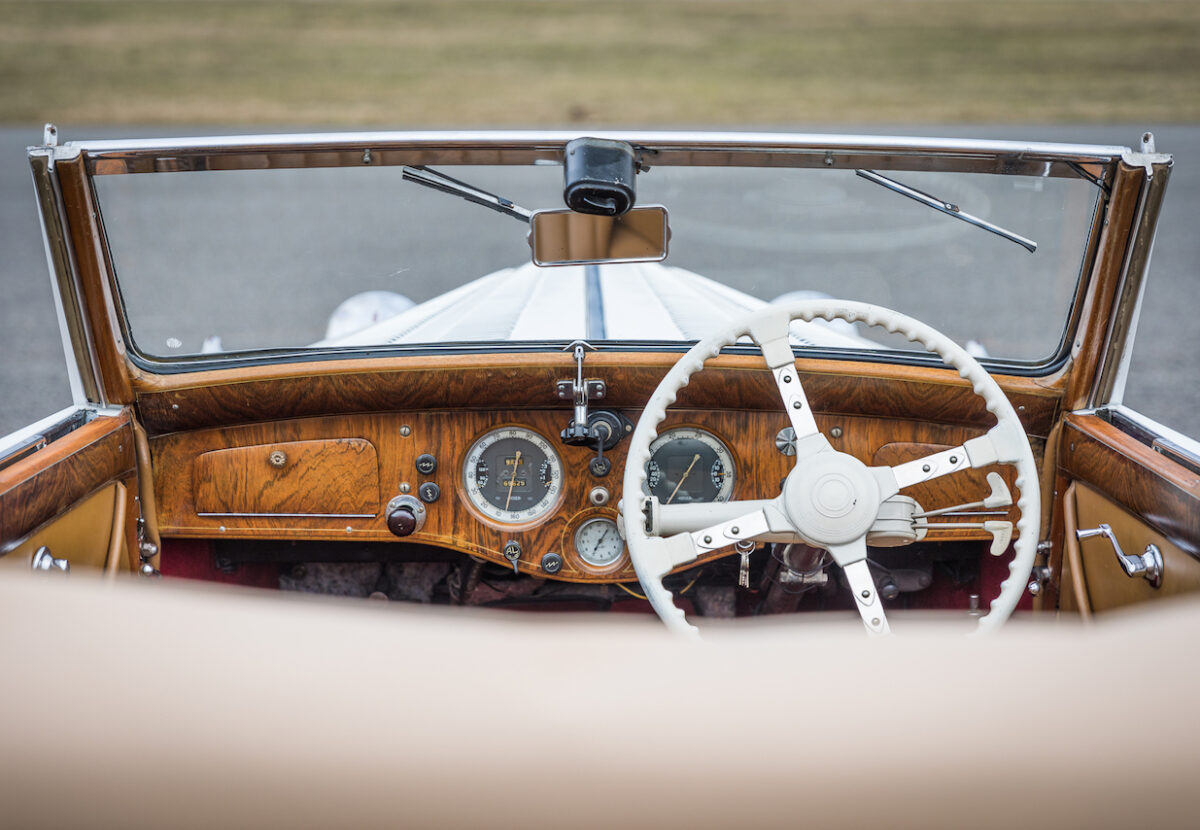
(235, 261)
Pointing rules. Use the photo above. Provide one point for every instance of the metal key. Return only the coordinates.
(512, 552)
(744, 549)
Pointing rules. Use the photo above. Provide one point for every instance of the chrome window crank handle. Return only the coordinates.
(1149, 565)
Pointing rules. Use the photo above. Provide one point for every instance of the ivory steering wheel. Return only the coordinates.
(830, 499)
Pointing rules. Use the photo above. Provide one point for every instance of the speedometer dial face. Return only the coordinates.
(512, 475)
(689, 465)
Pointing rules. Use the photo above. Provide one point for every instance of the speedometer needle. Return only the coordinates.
(683, 477)
(513, 479)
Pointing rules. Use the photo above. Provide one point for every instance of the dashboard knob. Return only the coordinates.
(405, 515)
(402, 521)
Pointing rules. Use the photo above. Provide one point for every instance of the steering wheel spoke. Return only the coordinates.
(795, 403)
(862, 586)
(999, 445)
(931, 466)
(746, 527)
(771, 333)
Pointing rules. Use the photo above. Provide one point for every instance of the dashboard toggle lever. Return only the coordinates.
(579, 391)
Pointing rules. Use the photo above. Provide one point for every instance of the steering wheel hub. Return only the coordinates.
(831, 498)
(834, 496)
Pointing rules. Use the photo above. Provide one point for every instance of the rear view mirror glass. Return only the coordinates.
(563, 237)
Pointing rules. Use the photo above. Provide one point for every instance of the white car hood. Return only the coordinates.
(641, 301)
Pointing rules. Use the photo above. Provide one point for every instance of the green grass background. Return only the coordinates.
(556, 62)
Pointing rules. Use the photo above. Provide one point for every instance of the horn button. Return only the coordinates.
(832, 498)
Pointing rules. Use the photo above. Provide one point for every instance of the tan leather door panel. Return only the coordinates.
(76, 497)
(83, 535)
(1104, 581)
(1145, 497)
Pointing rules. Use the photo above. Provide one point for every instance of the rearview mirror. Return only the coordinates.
(564, 237)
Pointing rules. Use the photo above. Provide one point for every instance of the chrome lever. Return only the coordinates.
(1149, 565)
(43, 560)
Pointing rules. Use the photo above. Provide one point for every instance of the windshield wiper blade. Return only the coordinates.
(946, 208)
(446, 184)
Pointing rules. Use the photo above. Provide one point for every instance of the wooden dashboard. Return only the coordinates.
(331, 477)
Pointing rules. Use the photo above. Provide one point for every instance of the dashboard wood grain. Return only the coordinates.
(338, 476)
(399, 437)
(198, 400)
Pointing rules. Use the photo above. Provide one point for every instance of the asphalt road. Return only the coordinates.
(1164, 378)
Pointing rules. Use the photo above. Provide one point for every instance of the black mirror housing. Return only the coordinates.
(599, 176)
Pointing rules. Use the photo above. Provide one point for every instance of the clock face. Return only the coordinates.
(598, 542)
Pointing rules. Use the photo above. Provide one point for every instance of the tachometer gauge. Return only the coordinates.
(598, 542)
(689, 465)
(512, 475)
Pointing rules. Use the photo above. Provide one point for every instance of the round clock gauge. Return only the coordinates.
(598, 542)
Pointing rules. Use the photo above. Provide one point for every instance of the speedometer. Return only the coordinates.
(512, 475)
(689, 465)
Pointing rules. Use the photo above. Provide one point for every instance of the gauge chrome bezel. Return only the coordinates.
(724, 453)
(584, 558)
(498, 515)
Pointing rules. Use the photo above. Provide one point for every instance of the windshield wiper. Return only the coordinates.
(440, 181)
(946, 208)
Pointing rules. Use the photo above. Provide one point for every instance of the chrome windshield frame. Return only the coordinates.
(110, 157)
(656, 148)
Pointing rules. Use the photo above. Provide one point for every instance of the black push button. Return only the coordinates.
(426, 464)
(429, 492)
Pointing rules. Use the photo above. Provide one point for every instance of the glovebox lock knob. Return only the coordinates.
(405, 515)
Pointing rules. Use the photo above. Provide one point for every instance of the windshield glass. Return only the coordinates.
(244, 260)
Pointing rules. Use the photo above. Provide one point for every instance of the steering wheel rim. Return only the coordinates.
(655, 556)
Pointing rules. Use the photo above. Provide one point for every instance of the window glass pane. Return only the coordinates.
(238, 260)
(33, 369)
(1163, 381)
